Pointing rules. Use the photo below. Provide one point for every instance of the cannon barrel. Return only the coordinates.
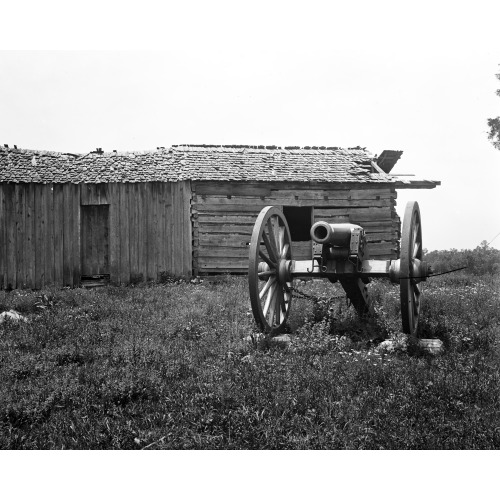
(332, 234)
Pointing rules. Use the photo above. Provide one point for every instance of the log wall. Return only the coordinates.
(224, 215)
(41, 239)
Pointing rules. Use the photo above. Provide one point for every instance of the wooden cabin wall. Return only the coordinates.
(39, 235)
(224, 215)
(42, 239)
(150, 230)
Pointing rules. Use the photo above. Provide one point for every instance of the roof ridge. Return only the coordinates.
(180, 146)
(270, 147)
(37, 151)
(103, 153)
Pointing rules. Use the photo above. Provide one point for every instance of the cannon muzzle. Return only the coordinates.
(332, 234)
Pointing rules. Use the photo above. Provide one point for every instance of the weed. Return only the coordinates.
(179, 365)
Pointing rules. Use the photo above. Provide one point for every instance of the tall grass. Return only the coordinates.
(181, 366)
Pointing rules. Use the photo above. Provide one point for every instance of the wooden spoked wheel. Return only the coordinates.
(410, 268)
(269, 276)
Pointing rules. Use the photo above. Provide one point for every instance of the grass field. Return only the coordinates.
(180, 365)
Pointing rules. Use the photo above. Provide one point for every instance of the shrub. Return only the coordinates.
(480, 261)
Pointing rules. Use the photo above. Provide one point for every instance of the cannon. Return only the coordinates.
(341, 255)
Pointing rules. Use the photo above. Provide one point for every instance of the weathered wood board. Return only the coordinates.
(224, 214)
(176, 228)
(55, 233)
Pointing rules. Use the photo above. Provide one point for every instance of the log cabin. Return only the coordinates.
(124, 217)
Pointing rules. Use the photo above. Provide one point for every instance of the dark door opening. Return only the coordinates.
(95, 242)
(300, 222)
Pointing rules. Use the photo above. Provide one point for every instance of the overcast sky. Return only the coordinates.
(374, 74)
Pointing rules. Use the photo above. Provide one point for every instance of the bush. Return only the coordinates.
(480, 261)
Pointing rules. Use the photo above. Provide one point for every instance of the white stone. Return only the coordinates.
(282, 338)
(432, 346)
(387, 345)
(13, 316)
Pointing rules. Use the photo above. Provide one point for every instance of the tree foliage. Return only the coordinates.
(480, 261)
(494, 125)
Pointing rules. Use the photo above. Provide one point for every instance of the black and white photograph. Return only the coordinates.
(267, 233)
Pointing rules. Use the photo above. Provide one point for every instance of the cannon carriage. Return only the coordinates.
(341, 254)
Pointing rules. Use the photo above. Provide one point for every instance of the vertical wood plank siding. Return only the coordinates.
(123, 207)
(19, 209)
(41, 232)
(3, 246)
(67, 237)
(58, 233)
(114, 235)
(224, 214)
(10, 237)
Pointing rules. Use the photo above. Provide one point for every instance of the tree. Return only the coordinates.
(494, 124)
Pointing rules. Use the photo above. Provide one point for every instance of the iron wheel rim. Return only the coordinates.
(270, 250)
(411, 249)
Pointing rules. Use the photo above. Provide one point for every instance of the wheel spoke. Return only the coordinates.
(411, 311)
(272, 239)
(279, 314)
(279, 301)
(269, 246)
(265, 258)
(265, 274)
(416, 249)
(277, 306)
(282, 302)
(266, 287)
(415, 302)
(416, 295)
(281, 239)
(275, 222)
(415, 237)
(284, 252)
(270, 295)
(272, 306)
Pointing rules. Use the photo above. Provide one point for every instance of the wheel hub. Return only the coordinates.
(284, 271)
(420, 270)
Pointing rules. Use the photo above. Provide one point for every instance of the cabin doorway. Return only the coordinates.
(95, 244)
(300, 221)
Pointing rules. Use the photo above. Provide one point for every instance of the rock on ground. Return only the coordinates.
(12, 316)
(432, 346)
(281, 339)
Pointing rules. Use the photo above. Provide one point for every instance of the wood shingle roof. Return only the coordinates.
(178, 163)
